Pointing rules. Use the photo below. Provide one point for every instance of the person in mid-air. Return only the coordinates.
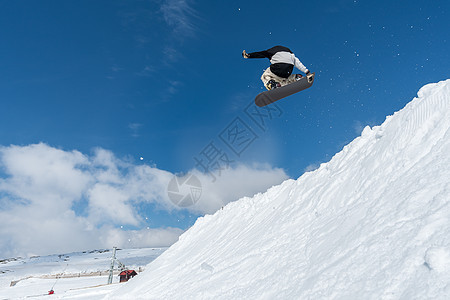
(282, 64)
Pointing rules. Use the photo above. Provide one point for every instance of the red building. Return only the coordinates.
(126, 275)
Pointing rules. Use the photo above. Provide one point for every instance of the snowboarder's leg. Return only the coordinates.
(293, 78)
(266, 77)
(271, 80)
(286, 81)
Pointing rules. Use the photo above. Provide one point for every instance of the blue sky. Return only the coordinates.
(163, 79)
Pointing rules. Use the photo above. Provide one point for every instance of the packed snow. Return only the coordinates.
(73, 275)
(373, 223)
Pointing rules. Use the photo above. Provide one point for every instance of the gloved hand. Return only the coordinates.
(245, 54)
(307, 72)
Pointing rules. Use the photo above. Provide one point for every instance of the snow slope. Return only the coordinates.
(77, 273)
(373, 223)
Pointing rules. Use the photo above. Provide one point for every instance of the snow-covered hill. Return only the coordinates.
(373, 223)
(72, 275)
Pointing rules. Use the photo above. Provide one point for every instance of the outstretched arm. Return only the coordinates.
(260, 54)
(300, 66)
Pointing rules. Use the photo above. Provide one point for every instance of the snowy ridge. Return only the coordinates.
(373, 223)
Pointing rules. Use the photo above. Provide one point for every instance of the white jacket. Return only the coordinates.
(288, 58)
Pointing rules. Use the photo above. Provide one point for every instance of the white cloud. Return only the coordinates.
(181, 19)
(179, 15)
(141, 238)
(106, 201)
(135, 127)
(42, 176)
(234, 183)
(55, 201)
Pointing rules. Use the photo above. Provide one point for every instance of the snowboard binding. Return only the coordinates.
(272, 84)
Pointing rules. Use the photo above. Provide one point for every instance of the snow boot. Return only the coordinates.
(272, 84)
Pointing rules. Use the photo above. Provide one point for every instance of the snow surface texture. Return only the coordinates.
(373, 223)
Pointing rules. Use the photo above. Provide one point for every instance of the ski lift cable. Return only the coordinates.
(57, 278)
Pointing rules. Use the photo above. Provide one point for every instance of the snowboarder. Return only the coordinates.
(282, 64)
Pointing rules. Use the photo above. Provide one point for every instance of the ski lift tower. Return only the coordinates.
(120, 265)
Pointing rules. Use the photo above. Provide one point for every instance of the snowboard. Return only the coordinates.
(268, 97)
